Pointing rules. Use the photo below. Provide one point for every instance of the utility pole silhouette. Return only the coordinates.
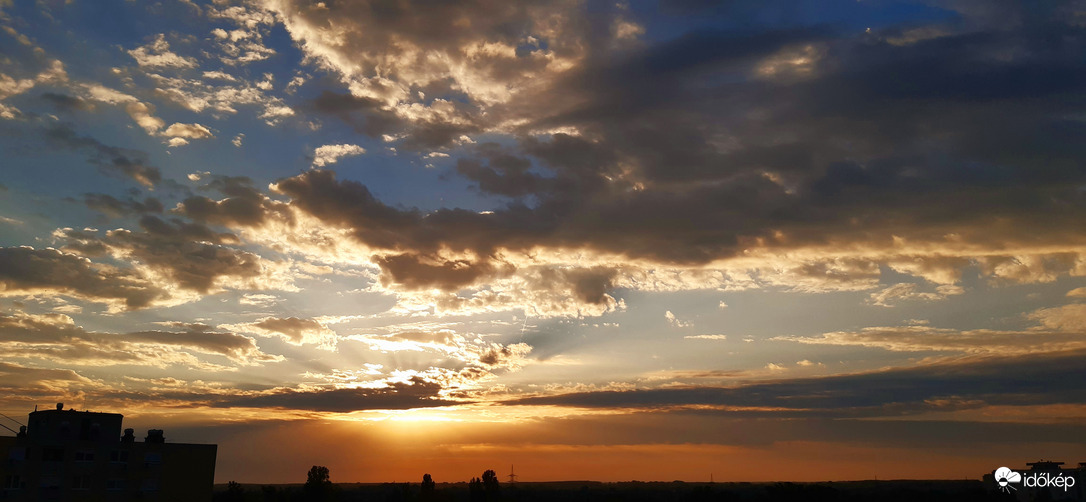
(512, 476)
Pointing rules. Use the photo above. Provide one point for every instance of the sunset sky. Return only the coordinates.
(611, 240)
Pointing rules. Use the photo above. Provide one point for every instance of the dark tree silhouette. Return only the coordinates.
(427, 487)
(318, 484)
(490, 484)
(318, 475)
(490, 480)
(475, 490)
(271, 494)
(234, 492)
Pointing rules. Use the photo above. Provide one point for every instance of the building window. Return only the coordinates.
(52, 455)
(17, 454)
(149, 485)
(49, 483)
(13, 482)
(152, 458)
(115, 485)
(81, 483)
(119, 456)
(84, 456)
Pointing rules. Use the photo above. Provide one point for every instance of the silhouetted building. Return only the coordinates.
(82, 456)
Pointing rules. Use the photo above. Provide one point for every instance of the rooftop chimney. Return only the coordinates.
(154, 436)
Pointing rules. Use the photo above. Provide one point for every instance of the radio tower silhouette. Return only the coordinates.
(512, 477)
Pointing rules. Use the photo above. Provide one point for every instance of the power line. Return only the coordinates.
(12, 419)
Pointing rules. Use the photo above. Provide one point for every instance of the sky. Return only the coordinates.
(752, 240)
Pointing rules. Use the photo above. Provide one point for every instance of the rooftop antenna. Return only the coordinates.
(512, 476)
(710, 477)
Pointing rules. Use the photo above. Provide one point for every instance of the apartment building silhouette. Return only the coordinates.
(82, 456)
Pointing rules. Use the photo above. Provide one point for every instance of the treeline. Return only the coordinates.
(318, 487)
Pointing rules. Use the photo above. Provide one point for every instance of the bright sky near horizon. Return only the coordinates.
(613, 240)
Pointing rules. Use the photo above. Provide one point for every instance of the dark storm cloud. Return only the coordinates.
(110, 159)
(30, 271)
(1056, 379)
(397, 396)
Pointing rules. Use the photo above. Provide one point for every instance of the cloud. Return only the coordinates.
(238, 348)
(292, 329)
(244, 205)
(508, 356)
(1060, 330)
(598, 173)
(706, 337)
(1068, 318)
(25, 271)
(113, 160)
(66, 103)
(219, 96)
(330, 154)
(190, 131)
(672, 320)
(948, 386)
(157, 54)
(420, 47)
(908, 291)
(143, 114)
(189, 256)
(109, 205)
(258, 300)
(56, 337)
(1077, 293)
(397, 396)
(10, 86)
(245, 44)
(30, 384)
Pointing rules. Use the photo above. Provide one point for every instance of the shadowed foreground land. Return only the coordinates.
(882, 491)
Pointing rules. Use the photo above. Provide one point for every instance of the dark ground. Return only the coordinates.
(677, 491)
